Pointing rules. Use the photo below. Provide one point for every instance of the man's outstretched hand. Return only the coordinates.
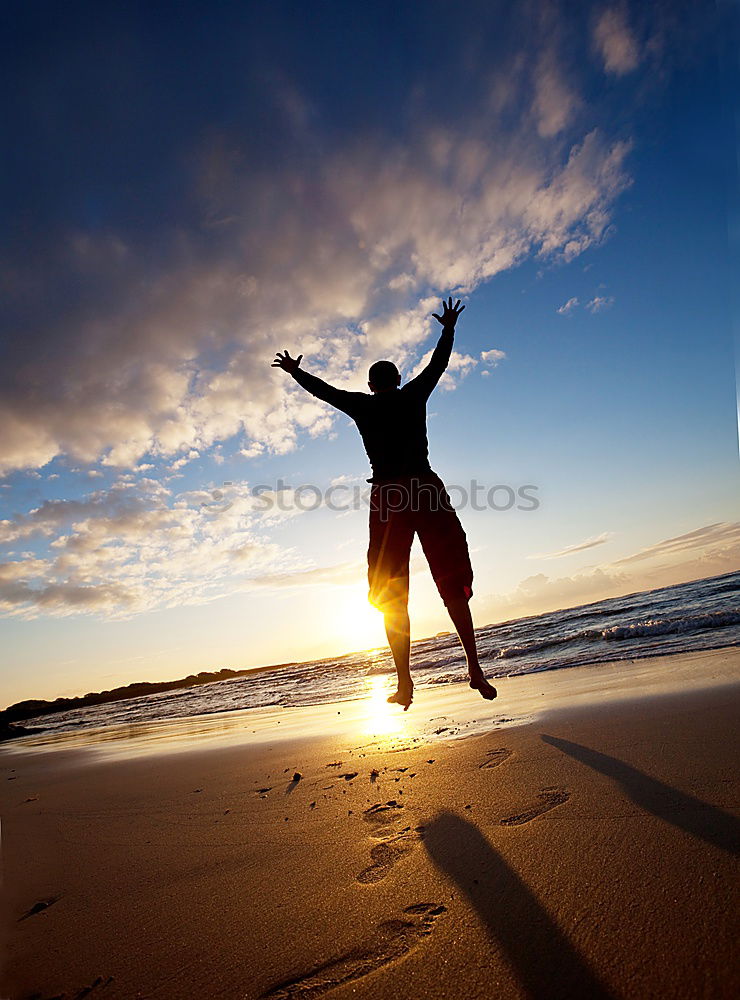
(287, 363)
(449, 313)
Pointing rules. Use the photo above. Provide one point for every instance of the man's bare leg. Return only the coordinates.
(398, 630)
(459, 610)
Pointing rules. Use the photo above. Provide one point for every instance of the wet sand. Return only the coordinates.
(588, 853)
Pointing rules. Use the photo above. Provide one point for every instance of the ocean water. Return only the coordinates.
(701, 615)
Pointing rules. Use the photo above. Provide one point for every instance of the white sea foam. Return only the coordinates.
(680, 618)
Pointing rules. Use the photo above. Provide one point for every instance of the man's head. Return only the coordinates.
(383, 375)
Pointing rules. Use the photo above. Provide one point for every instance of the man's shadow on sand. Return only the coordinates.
(547, 965)
(700, 819)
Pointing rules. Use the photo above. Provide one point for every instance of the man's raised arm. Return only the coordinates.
(312, 383)
(427, 379)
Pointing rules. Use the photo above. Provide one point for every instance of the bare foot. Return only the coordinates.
(479, 683)
(403, 696)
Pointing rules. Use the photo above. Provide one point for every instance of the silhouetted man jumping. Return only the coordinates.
(407, 498)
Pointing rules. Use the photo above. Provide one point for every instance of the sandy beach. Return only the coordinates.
(587, 852)
(359, 359)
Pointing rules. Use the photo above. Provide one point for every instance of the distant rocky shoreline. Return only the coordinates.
(31, 709)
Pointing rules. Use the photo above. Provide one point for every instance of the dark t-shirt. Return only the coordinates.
(393, 424)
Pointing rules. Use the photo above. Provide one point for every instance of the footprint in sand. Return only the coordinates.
(393, 940)
(87, 990)
(382, 817)
(80, 994)
(496, 757)
(39, 907)
(383, 857)
(549, 798)
(395, 840)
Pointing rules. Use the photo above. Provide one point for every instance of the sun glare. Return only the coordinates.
(358, 625)
(382, 718)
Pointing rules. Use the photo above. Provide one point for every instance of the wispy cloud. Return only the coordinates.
(615, 42)
(337, 575)
(712, 538)
(568, 306)
(589, 543)
(556, 102)
(599, 303)
(707, 551)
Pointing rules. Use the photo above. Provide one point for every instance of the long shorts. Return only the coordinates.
(398, 511)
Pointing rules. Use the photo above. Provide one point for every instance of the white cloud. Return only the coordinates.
(136, 547)
(172, 355)
(459, 366)
(615, 42)
(492, 357)
(599, 303)
(568, 306)
(180, 463)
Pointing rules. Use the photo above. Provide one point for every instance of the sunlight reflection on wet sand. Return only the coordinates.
(439, 711)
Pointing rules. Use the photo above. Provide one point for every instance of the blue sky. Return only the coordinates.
(192, 188)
